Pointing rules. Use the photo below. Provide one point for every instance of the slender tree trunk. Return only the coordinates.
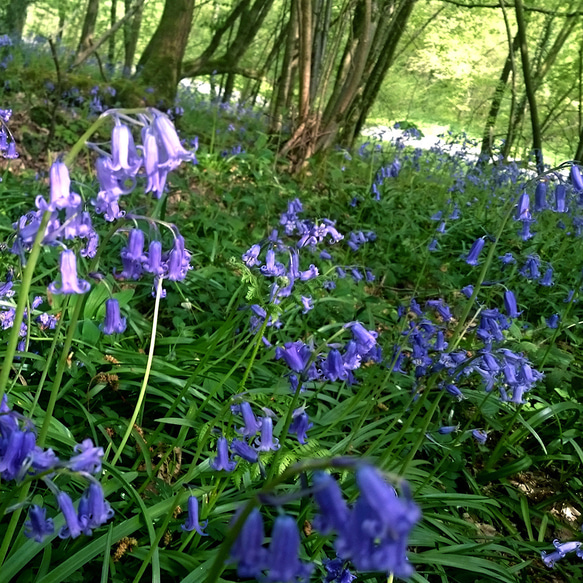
(373, 81)
(281, 90)
(16, 18)
(160, 64)
(529, 87)
(111, 45)
(88, 29)
(487, 136)
(131, 34)
(305, 57)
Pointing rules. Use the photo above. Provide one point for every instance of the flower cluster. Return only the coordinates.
(7, 143)
(561, 550)
(372, 534)
(21, 457)
(426, 351)
(337, 364)
(250, 446)
(280, 561)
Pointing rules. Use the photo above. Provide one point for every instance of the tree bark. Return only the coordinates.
(16, 18)
(131, 34)
(88, 29)
(111, 45)
(378, 70)
(509, 66)
(161, 63)
(529, 87)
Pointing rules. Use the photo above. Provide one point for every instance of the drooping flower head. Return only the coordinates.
(70, 283)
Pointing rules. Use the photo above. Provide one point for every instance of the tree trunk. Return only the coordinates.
(16, 18)
(111, 45)
(529, 87)
(373, 81)
(160, 64)
(131, 34)
(88, 29)
(487, 136)
(281, 89)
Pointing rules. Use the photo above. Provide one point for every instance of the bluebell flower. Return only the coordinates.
(525, 233)
(576, 179)
(510, 304)
(547, 278)
(523, 207)
(295, 354)
(441, 308)
(192, 522)
(248, 550)
(540, 196)
(561, 198)
(88, 459)
(333, 367)
(310, 273)
(432, 245)
(252, 426)
(38, 525)
(15, 448)
(480, 436)
(283, 563)
(124, 155)
(132, 255)
(244, 450)
(370, 276)
(468, 290)
(171, 151)
(156, 174)
(70, 283)
(114, 323)
(153, 263)
(336, 571)
(356, 275)
(61, 196)
(375, 536)
(221, 461)
(561, 550)
(266, 441)
(507, 259)
(454, 391)
(179, 260)
(307, 303)
(300, 425)
(447, 429)
(365, 339)
(552, 321)
(73, 528)
(333, 510)
(93, 510)
(272, 268)
(474, 254)
(530, 269)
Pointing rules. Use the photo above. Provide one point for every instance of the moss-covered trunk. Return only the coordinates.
(160, 64)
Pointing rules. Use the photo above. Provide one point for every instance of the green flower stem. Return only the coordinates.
(22, 302)
(61, 366)
(144, 386)
(458, 332)
(421, 438)
(154, 545)
(49, 360)
(502, 441)
(283, 434)
(407, 424)
(13, 524)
